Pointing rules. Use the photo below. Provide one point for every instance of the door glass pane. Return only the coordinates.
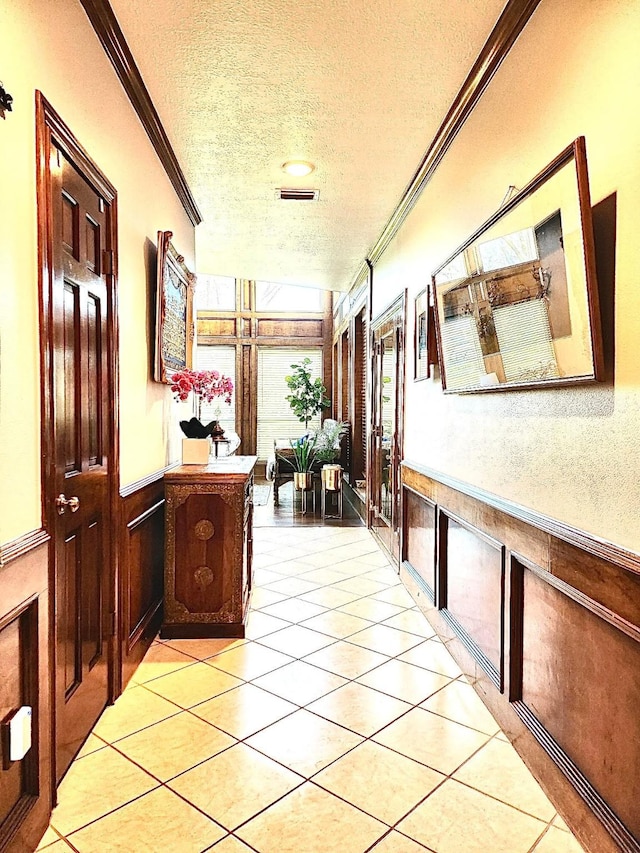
(387, 424)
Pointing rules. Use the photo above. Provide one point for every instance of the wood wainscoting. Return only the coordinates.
(545, 622)
(26, 785)
(141, 568)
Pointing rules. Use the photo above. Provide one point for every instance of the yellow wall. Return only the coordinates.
(52, 47)
(573, 453)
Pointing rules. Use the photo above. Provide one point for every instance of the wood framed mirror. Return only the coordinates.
(517, 305)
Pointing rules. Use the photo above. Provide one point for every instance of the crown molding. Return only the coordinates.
(509, 25)
(107, 28)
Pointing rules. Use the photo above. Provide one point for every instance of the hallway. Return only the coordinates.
(339, 725)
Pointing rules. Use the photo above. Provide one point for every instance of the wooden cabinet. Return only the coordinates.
(208, 548)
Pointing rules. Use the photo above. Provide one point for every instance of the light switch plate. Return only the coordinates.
(20, 733)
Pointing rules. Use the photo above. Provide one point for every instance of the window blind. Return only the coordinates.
(222, 359)
(361, 390)
(460, 341)
(275, 418)
(525, 341)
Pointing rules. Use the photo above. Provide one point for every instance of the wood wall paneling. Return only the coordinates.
(225, 327)
(419, 539)
(580, 680)
(298, 328)
(535, 526)
(562, 626)
(141, 569)
(604, 582)
(25, 786)
(474, 592)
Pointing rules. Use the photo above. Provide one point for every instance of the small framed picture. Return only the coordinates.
(422, 332)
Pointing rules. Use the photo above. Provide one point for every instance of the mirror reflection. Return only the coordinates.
(517, 305)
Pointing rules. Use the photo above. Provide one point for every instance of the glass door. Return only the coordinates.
(387, 425)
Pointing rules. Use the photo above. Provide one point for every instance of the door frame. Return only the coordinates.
(395, 313)
(51, 130)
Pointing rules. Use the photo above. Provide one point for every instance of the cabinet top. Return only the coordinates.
(227, 468)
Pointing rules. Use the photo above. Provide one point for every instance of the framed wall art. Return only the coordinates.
(425, 348)
(421, 336)
(516, 306)
(174, 311)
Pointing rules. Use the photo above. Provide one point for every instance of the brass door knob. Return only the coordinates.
(62, 503)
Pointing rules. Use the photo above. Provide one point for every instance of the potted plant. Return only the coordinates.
(327, 447)
(303, 451)
(307, 396)
(205, 385)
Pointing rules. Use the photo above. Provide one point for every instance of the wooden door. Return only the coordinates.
(81, 442)
(387, 413)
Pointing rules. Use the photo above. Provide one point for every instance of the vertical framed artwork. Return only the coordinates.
(174, 311)
(421, 348)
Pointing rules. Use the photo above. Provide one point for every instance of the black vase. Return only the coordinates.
(195, 429)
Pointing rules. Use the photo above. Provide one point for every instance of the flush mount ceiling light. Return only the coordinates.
(298, 168)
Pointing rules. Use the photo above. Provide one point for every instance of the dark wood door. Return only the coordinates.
(81, 441)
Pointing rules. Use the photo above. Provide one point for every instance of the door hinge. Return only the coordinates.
(107, 262)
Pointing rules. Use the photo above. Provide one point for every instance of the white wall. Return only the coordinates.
(573, 453)
(52, 47)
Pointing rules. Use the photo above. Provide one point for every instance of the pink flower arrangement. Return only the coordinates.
(206, 385)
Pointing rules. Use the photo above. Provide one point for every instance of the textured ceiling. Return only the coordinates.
(358, 88)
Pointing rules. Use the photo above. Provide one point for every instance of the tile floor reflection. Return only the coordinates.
(339, 725)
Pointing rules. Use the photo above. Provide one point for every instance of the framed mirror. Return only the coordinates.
(517, 304)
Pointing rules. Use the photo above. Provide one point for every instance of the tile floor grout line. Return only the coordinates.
(262, 641)
(161, 784)
(356, 573)
(111, 811)
(495, 798)
(542, 834)
(366, 738)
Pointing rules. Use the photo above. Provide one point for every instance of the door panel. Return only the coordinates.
(67, 613)
(82, 572)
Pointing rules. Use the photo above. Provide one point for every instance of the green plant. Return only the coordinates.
(304, 456)
(328, 440)
(307, 396)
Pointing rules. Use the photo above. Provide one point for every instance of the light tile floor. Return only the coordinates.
(339, 725)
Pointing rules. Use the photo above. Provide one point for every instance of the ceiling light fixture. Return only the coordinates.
(298, 168)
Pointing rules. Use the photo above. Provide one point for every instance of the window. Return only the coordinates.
(275, 418)
(287, 297)
(222, 359)
(215, 293)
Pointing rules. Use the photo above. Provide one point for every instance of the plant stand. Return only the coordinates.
(304, 498)
(331, 485)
